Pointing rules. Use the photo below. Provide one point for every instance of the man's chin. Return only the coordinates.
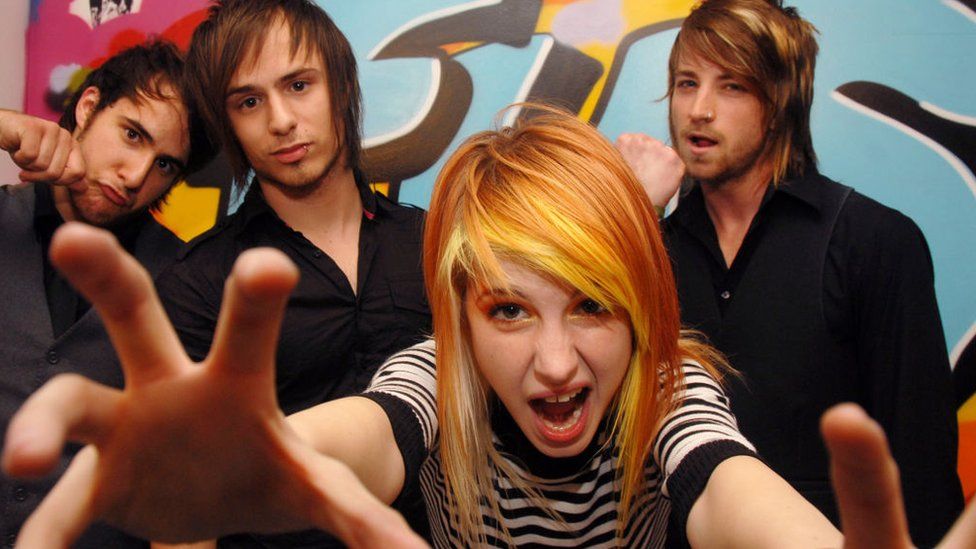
(105, 219)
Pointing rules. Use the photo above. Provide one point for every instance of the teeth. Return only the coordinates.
(566, 425)
(562, 398)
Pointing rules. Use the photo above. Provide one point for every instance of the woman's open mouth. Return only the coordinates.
(561, 418)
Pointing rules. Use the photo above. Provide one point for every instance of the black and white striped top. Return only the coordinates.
(694, 439)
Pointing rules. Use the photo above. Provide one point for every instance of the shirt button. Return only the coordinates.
(317, 254)
(20, 493)
(11, 538)
(52, 357)
(726, 294)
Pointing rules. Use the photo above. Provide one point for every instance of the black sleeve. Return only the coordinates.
(904, 370)
(407, 433)
(688, 482)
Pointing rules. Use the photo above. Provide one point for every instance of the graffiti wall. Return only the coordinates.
(894, 116)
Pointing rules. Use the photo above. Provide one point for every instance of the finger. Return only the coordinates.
(69, 407)
(50, 137)
(962, 535)
(59, 156)
(28, 149)
(254, 303)
(66, 511)
(865, 479)
(123, 293)
(74, 168)
(351, 512)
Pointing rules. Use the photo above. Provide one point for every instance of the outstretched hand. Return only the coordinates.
(865, 479)
(186, 451)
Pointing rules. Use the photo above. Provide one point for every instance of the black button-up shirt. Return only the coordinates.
(332, 339)
(830, 298)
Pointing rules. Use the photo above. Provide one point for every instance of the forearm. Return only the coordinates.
(357, 432)
(745, 504)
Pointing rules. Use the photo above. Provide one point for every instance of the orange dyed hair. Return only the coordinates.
(551, 194)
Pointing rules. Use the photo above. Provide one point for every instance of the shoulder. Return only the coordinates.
(156, 246)
(399, 213)
(406, 384)
(868, 231)
(20, 193)
(221, 236)
(203, 264)
(417, 361)
(872, 217)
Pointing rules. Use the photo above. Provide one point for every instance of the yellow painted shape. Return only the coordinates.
(189, 211)
(382, 188)
(459, 47)
(637, 14)
(967, 447)
(641, 13)
(967, 412)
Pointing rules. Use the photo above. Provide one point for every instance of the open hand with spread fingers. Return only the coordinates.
(44, 151)
(866, 483)
(186, 451)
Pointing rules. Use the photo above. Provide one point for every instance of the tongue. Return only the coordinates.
(559, 411)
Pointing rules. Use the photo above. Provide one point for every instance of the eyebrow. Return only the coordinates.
(144, 133)
(248, 88)
(490, 293)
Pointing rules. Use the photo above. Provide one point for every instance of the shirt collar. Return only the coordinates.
(255, 205)
(807, 189)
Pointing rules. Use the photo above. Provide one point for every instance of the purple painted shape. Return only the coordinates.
(589, 21)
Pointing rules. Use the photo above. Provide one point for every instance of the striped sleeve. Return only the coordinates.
(695, 437)
(405, 386)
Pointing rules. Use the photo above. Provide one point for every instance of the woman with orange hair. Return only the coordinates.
(567, 407)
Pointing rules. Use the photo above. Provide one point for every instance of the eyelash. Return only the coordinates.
(497, 311)
(512, 312)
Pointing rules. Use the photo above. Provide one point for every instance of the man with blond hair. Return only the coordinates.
(816, 293)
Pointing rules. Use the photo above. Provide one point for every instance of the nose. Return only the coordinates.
(703, 106)
(135, 170)
(281, 118)
(556, 358)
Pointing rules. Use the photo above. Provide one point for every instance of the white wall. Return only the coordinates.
(13, 37)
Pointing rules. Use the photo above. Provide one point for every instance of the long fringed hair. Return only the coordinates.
(553, 195)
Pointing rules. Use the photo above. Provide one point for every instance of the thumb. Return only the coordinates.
(75, 170)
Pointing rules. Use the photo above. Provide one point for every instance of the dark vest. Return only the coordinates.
(792, 367)
(30, 355)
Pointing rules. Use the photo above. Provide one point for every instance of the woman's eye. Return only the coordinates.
(591, 307)
(508, 311)
(299, 86)
(131, 135)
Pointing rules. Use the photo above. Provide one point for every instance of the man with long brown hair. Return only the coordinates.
(277, 83)
(816, 293)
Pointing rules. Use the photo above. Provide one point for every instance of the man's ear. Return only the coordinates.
(85, 108)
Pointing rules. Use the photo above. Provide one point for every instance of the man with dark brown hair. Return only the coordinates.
(277, 81)
(125, 138)
(816, 293)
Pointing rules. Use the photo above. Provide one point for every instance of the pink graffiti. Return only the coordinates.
(58, 40)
